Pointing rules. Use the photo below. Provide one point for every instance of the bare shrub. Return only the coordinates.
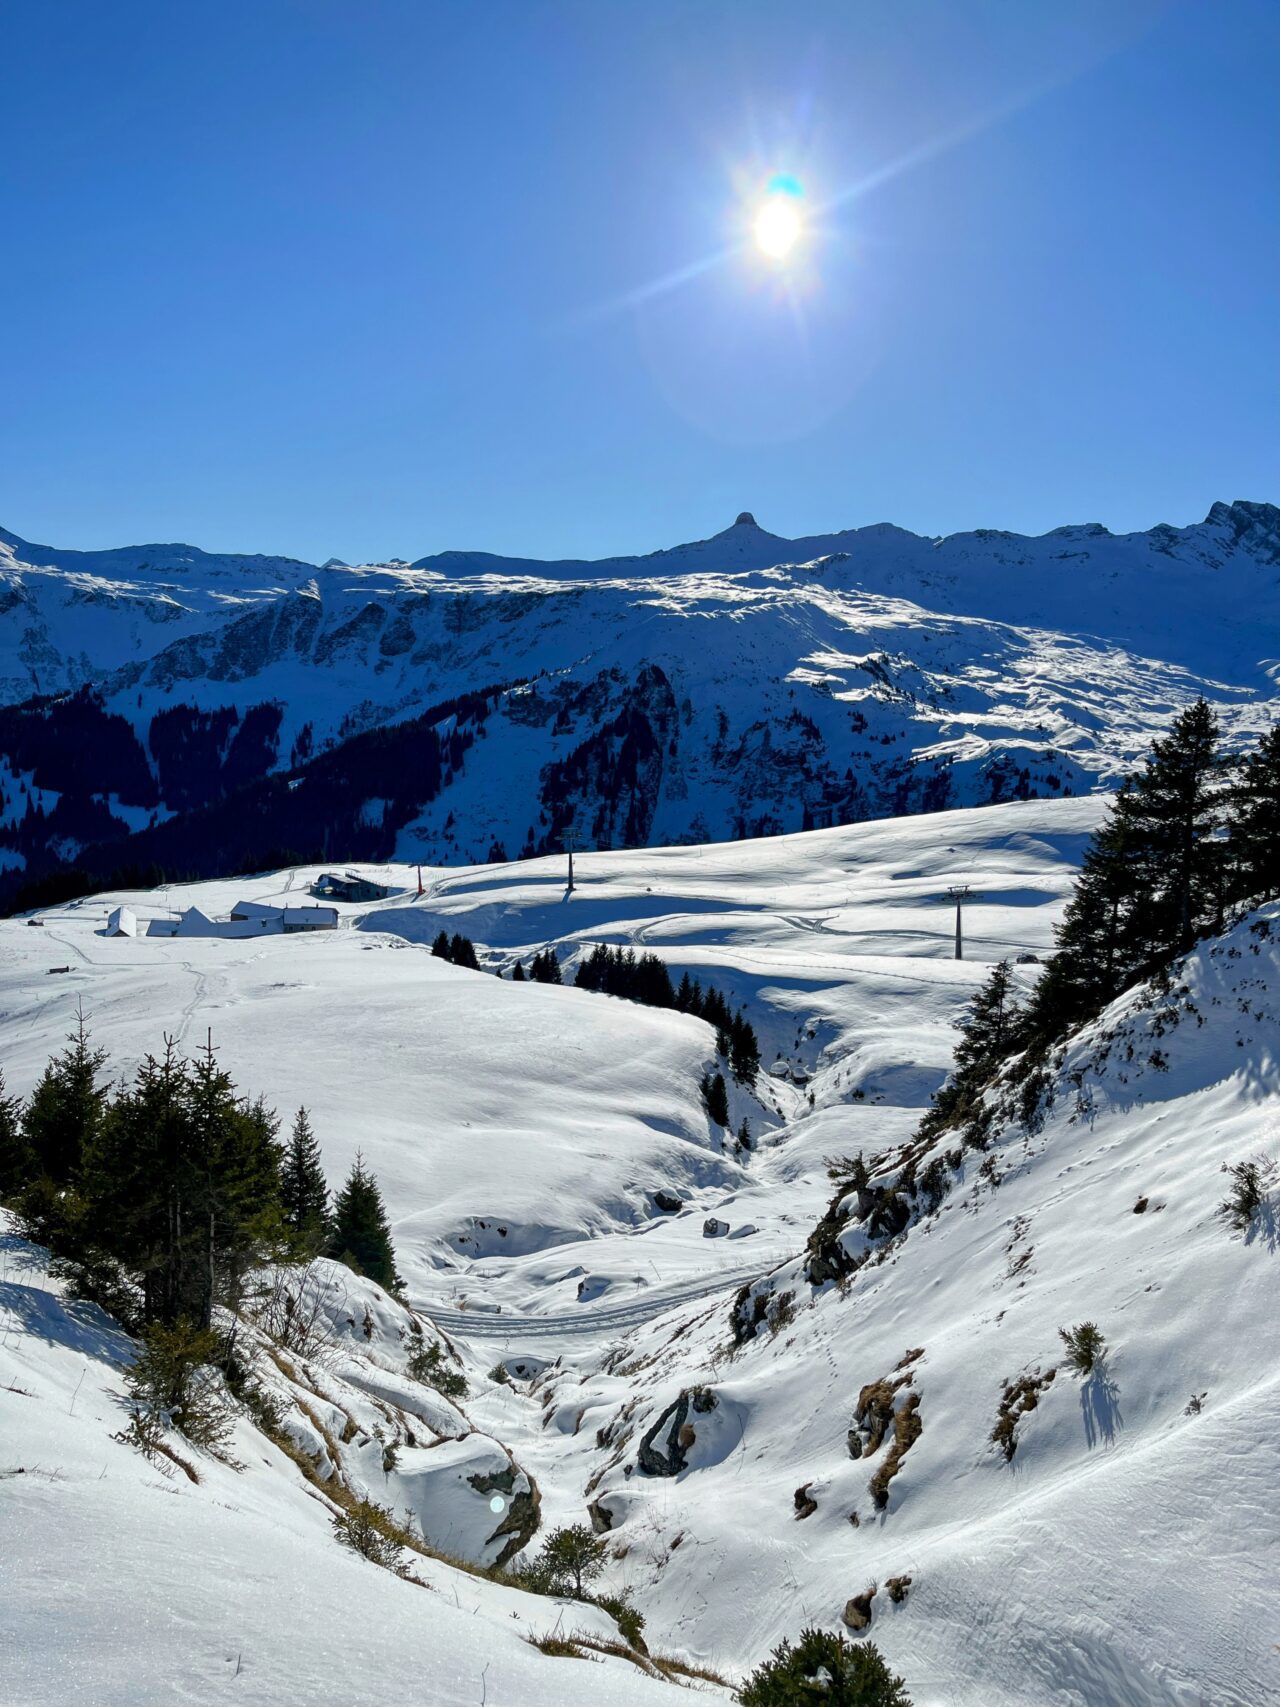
(295, 1307)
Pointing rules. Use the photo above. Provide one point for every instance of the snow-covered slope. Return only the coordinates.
(1127, 1555)
(128, 1582)
(741, 685)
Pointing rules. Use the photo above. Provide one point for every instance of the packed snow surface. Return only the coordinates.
(1128, 1555)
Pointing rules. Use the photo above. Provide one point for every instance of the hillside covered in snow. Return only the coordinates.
(178, 713)
(901, 1448)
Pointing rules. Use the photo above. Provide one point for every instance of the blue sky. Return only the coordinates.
(381, 278)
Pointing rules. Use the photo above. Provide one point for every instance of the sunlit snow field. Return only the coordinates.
(1128, 1556)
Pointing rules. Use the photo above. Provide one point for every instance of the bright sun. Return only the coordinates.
(778, 224)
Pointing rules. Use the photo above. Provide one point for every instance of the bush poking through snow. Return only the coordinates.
(428, 1366)
(783, 1313)
(370, 1530)
(628, 1618)
(1248, 1192)
(825, 1668)
(172, 1380)
(1020, 1396)
(1085, 1346)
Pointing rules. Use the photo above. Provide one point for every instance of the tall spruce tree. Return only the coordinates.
(304, 1195)
(715, 1097)
(182, 1185)
(1153, 879)
(16, 1158)
(361, 1235)
(744, 1049)
(67, 1107)
(1254, 809)
(992, 1029)
(544, 968)
(462, 952)
(1175, 813)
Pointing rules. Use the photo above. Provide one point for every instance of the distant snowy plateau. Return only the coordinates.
(903, 1451)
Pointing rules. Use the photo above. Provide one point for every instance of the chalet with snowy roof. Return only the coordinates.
(121, 921)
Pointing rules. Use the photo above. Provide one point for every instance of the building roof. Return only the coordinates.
(121, 921)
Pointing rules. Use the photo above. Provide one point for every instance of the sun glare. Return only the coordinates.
(778, 223)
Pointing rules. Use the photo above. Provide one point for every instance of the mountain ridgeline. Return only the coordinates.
(167, 713)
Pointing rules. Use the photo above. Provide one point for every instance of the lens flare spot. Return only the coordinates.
(779, 219)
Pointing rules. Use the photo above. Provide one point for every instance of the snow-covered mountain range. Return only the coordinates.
(465, 707)
(761, 1449)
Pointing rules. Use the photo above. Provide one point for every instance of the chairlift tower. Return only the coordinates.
(959, 893)
(570, 842)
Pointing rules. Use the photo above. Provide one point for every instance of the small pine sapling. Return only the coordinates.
(1248, 1192)
(573, 1557)
(1085, 1346)
(827, 1668)
(427, 1365)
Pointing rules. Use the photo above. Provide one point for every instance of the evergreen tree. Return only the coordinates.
(1174, 809)
(744, 1049)
(572, 1557)
(17, 1162)
(182, 1185)
(361, 1233)
(1153, 880)
(825, 1669)
(517, 974)
(1255, 823)
(66, 1108)
(134, 1184)
(1096, 942)
(545, 967)
(440, 947)
(991, 1027)
(304, 1195)
(715, 1097)
(462, 952)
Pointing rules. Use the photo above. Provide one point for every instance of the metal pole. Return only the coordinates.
(959, 893)
(570, 838)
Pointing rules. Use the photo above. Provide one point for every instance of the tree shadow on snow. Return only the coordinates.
(31, 1308)
(1100, 1407)
(1262, 1228)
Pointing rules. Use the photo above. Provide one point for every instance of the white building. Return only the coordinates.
(121, 922)
(248, 919)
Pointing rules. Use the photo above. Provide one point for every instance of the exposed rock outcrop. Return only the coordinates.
(665, 1447)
